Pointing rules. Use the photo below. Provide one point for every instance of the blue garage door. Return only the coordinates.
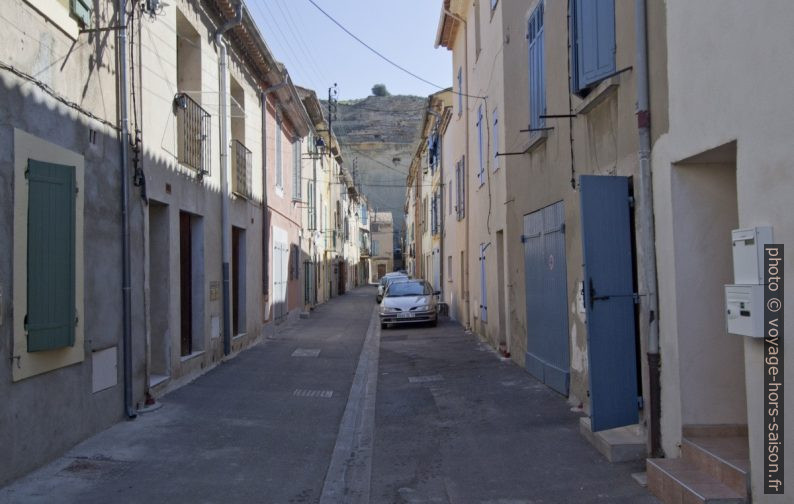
(545, 280)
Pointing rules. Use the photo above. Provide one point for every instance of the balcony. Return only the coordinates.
(363, 252)
(193, 132)
(241, 170)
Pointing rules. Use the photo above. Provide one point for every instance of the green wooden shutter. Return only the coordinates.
(51, 314)
(81, 9)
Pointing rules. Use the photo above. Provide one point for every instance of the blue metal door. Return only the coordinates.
(545, 278)
(609, 300)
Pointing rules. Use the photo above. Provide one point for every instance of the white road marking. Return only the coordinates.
(313, 393)
(306, 352)
(425, 379)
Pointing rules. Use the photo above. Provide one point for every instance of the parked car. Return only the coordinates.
(384, 282)
(408, 301)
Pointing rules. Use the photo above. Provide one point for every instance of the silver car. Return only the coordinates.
(409, 301)
(386, 280)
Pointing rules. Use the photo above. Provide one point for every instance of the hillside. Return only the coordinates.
(378, 136)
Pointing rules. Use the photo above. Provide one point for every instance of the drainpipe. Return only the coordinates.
(126, 288)
(647, 234)
(467, 160)
(225, 230)
(265, 224)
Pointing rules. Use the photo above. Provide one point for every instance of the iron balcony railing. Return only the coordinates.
(241, 164)
(193, 131)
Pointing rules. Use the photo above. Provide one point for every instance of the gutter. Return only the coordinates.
(224, 148)
(647, 232)
(124, 141)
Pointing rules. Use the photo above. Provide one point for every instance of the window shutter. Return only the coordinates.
(296, 170)
(480, 177)
(81, 9)
(460, 90)
(279, 174)
(483, 286)
(537, 78)
(495, 139)
(51, 311)
(595, 40)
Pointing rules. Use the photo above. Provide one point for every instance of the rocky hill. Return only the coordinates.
(379, 136)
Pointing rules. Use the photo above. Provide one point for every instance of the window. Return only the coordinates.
(449, 196)
(279, 171)
(537, 69)
(477, 35)
(434, 214)
(481, 172)
(460, 194)
(495, 140)
(363, 214)
(460, 91)
(192, 121)
(312, 209)
(296, 170)
(81, 10)
(592, 42)
(51, 310)
(449, 268)
(494, 4)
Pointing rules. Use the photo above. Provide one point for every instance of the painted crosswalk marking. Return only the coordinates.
(306, 352)
(327, 394)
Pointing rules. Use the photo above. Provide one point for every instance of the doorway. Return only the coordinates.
(191, 281)
(159, 292)
(238, 281)
(705, 211)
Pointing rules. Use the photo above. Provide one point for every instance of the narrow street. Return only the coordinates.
(452, 423)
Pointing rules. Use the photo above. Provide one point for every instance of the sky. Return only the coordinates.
(318, 53)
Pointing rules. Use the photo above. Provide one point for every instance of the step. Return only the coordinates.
(676, 481)
(617, 445)
(724, 458)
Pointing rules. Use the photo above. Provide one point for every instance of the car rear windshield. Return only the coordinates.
(397, 289)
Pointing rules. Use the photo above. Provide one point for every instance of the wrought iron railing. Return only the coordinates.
(193, 131)
(241, 164)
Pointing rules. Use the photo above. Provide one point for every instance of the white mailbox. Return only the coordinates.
(745, 310)
(748, 254)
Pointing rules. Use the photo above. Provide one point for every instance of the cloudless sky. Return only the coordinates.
(318, 53)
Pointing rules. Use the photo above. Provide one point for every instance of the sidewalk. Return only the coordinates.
(260, 428)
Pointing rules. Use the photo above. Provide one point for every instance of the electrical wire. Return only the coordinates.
(382, 56)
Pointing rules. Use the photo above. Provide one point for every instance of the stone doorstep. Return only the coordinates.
(677, 481)
(621, 444)
(726, 459)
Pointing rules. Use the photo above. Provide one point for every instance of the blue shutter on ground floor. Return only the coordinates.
(51, 312)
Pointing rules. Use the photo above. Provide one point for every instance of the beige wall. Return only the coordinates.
(724, 88)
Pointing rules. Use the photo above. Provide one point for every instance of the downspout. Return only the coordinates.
(224, 148)
(647, 234)
(265, 223)
(466, 161)
(126, 288)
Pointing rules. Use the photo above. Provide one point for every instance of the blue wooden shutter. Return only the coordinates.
(594, 32)
(495, 139)
(609, 300)
(51, 312)
(537, 77)
(480, 176)
(483, 286)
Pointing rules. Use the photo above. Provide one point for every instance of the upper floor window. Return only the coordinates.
(593, 42)
(537, 69)
(296, 170)
(279, 170)
(477, 35)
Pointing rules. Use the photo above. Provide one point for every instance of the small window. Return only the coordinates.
(81, 10)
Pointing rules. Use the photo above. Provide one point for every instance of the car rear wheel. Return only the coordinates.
(382, 325)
